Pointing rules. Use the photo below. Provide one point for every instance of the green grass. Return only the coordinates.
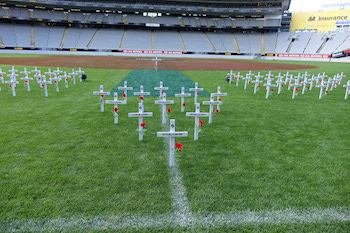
(61, 157)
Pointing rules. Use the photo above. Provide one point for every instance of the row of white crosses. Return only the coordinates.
(54, 78)
(293, 81)
(171, 134)
(163, 102)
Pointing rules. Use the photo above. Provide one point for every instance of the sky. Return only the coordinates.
(305, 5)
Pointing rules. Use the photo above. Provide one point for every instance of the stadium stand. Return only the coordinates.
(203, 27)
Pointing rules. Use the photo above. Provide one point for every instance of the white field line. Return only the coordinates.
(180, 217)
(208, 220)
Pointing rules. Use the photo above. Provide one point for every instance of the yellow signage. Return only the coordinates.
(322, 21)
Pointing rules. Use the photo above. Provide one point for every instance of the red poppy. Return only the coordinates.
(0, 75)
(162, 92)
(282, 85)
(327, 91)
(71, 76)
(39, 78)
(219, 99)
(179, 146)
(249, 82)
(141, 98)
(259, 86)
(272, 89)
(168, 110)
(198, 93)
(201, 122)
(49, 76)
(143, 125)
(54, 81)
(10, 85)
(25, 81)
(116, 109)
(43, 85)
(217, 111)
(308, 88)
(124, 95)
(102, 96)
(296, 89)
(66, 79)
(184, 104)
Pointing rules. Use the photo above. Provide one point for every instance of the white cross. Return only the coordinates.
(72, 75)
(13, 79)
(26, 81)
(172, 134)
(164, 102)
(161, 89)
(247, 79)
(211, 103)
(115, 101)
(80, 72)
(288, 78)
(2, 77)
(218, 94)
(37, 75)
(304, 83)
(196, 89)
(156, 62)
(36, 71)
(238, 77)
(268, 86)
(183, 95)
(25, 72)
(329, 83)
(321, 86)
(312, 80)
(280, 82)
(257, 82)
(140, 114)
(269, 75)
(347, 89)
(56, 80)
(12, 83)
(125, 88)
(65, 77)
(231, 74)
(58, 71)
(44, 83)
(142, 93)
(197, 114)
(49, 73)
(102, 94)
(295, 86)
(13, 70)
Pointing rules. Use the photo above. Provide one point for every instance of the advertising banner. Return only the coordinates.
(322, 21)
(303, 55)
(152, 51)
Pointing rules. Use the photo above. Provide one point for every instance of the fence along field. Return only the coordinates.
(256, 166)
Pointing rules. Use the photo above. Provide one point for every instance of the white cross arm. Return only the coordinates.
(219, 94)
(11, 82)
(197, 114)
(172, 134)
(125, 88)
(164, 102)
(101, 93)
(140, 114)
(115, 102)
(161, 88)
(196, 89)
(183, 95)
(212, 103)
(142, 93)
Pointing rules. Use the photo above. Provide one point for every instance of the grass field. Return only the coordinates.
(264, 165)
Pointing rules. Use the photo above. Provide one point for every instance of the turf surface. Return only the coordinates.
(61, 157)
